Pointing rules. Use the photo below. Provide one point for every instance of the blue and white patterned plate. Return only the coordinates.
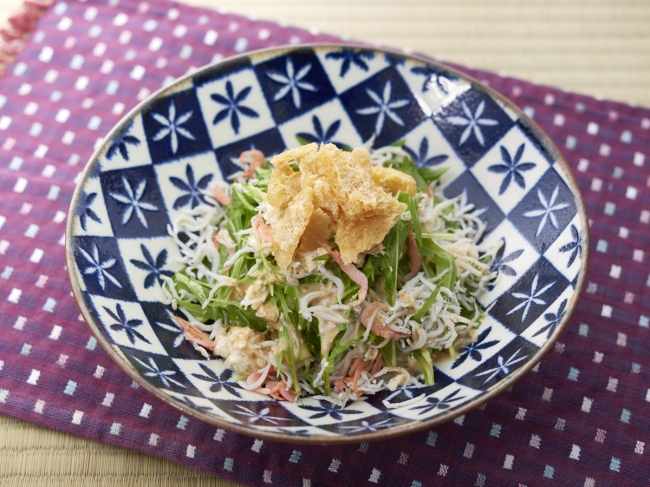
(157, 160)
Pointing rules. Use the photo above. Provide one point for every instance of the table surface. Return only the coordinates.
(597, 47)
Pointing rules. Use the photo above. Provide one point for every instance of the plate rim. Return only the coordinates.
(341, 439)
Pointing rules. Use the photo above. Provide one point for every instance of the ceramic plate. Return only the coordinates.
(160, 158)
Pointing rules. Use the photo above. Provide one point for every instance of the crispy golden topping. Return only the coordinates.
(331, 191)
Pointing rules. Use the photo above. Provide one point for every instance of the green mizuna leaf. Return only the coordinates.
(413, 210)
(423, 358)
(389, 261)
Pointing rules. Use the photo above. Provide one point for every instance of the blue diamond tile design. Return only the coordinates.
(567, 251)
(293, 84)
(272, 414)
(472, 192)
(127, 324)
(402, 394)
(513, 258)
(91, 215)
(270, 142)
(134, 202)
(321, 412)
(227, 69)
(378, 422)
(200, 403)
(215, 381)
(490, 338)
(149, 262)
(327, 123)
(159, 370)
(515, 164)
(434, 79)
(350, 66)
(546, 324)
(433, 87)
(545, 210)
(502, 364)
(473, 123)
(174, 127)
(530, 296)
(234, 108)
(169, 332)
(428, 147)
(128, 148)
(185, 183)
(383, 106)
(438, 403)
(100, 266)
(541, 146)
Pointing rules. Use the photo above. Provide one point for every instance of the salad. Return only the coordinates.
(329, 272)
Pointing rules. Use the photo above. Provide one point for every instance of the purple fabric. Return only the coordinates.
(579, 419)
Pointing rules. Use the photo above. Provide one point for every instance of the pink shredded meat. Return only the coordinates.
(263, 230)
(278, 390)
(254, 376)
(416, 258)
(251, 159)
(376, 327)
(194, 335)
(221, 196)
(355, 274)
(340, 386)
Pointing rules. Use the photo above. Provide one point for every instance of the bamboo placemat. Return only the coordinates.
(600, 48)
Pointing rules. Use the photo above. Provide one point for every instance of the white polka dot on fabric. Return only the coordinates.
(62, 115)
